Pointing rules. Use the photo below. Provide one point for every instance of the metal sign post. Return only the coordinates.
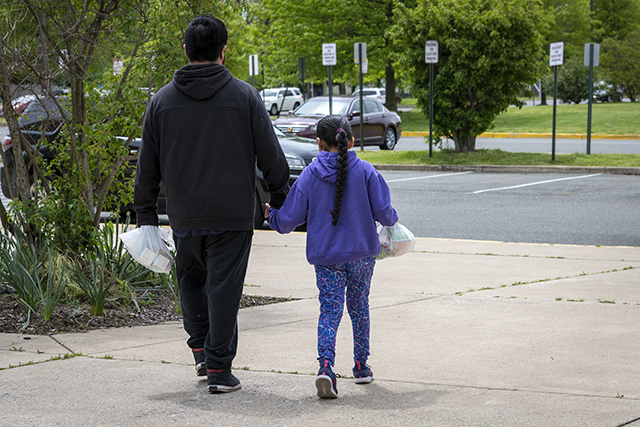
(591, 59)
(431, 57)
(329, 59)
(360, 51)
(556, 55)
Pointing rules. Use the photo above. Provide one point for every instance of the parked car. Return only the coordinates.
(44, 119)
(281, 99)
(19, 104)
(381, 126)
(604, 92)
(373, 92)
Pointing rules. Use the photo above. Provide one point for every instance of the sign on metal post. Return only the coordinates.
(587, 54)
(431, 52)
(431, 57)
(329, 55)
(556, 57)
(360, 57)
(356, 47)
(591, 59)
(329, 58)
(253, 65)
(556, 54)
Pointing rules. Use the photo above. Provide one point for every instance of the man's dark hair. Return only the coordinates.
(204, 39)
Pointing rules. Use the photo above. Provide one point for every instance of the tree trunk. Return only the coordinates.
(390, 77)
(463, 143)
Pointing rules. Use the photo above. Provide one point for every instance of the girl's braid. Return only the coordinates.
(343, 156)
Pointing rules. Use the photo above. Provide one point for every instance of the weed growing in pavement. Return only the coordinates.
(604, 301)
(16, 349)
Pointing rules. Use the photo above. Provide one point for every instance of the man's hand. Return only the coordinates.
(266, 210)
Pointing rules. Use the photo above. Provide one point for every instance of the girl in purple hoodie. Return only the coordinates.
(340, 197)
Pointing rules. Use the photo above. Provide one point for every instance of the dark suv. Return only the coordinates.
(43, 119)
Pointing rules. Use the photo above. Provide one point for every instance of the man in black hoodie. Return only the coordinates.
(203, 134)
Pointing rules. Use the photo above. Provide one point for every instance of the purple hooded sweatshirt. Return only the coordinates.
(366, 199)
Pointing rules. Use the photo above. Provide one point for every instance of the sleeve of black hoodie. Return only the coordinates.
(148, 176)
(269, 155)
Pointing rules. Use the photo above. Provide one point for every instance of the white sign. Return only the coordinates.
(431, 52)
(365, 66)
(556, 54)
(118, 65)
(596, 54)
(355, 51)
(329, 55)
(253, 65)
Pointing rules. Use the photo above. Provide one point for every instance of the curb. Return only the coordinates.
(533, 135)
(608, 170)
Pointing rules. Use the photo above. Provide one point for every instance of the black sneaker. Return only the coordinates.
(201, 367)
(222, 381)
(362, 373)
(326, 382)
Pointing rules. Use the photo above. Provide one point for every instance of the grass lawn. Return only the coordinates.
(617, 118)
(497, 157)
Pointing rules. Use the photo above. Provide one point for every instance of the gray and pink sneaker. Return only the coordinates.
(362, 373)
(326, 382)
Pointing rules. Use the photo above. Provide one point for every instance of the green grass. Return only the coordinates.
(619, 118)
(497, 157)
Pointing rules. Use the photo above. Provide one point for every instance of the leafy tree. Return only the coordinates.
(615, 19)
(621, 62)
(79, 38)
(299, 28)
(573, 81)
(488, 50)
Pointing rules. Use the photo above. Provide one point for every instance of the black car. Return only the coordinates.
(44, 119)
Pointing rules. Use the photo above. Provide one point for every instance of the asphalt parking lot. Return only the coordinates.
(580, 209)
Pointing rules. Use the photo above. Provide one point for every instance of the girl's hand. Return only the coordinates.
(266, 210)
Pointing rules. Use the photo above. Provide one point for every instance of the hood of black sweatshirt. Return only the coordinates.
(201, 81)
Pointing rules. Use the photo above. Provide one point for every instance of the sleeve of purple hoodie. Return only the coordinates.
(380, 199)
(293, 212)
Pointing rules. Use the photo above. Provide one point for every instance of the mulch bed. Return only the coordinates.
(155, 306)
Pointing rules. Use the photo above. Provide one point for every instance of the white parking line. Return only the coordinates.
(428, 176)
(534, 183)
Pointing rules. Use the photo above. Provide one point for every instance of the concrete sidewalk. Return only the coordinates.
(464, 333)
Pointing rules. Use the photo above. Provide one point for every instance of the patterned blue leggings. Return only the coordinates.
(332, 280)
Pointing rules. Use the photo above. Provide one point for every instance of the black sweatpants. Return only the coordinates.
(211, 271)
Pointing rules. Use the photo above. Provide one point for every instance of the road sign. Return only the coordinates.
(431, 52)
(365, 66)
(596, 54)
(355, 51)
(253, 65)
(556, 54)
(329, 55)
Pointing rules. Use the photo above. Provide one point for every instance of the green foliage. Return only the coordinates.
(487, 51)
(621, 62)
(615, 19)
(568, 22)
(94, 280)
(33, 273)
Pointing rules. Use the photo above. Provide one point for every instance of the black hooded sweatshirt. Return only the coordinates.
(202, 136)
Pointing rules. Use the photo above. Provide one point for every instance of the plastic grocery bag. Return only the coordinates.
(146, 245)
(395, 241)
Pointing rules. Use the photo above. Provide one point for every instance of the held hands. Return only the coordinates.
(266, 210)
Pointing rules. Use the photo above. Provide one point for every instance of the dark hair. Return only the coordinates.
(204, 39)
(335, 131)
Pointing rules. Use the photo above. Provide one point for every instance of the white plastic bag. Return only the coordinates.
(147, 246)
(395, 241)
